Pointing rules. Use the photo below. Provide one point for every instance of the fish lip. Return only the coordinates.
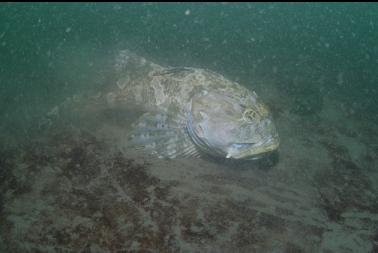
(257, 150)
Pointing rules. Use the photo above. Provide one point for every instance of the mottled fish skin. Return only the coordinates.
(177, 92)
(157, 87)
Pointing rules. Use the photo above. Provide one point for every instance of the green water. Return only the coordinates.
(315, 65)
(51, 50)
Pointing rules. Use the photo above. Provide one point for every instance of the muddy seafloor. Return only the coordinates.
(78, 188)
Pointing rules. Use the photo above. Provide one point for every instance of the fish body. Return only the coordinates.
(192, 111)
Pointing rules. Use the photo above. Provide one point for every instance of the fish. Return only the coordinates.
(191, 112)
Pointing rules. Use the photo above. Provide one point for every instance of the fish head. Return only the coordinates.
(231, 126)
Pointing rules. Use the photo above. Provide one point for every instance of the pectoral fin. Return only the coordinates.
(163, 134)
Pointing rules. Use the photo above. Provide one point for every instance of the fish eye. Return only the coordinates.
(250, 115)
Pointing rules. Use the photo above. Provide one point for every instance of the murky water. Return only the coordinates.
(315, 66)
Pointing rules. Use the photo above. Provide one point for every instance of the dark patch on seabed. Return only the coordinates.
(89, 199)
(344, 190)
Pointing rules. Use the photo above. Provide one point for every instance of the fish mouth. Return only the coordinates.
(251, 151)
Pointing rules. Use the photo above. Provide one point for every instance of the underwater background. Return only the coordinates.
(316, 66)
(312, 49)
